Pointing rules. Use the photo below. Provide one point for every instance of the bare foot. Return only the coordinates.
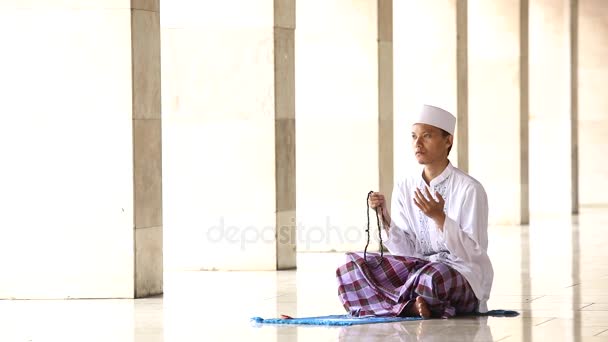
(419, 308)
(422, 308)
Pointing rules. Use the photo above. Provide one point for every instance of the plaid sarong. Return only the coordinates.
(387, 288)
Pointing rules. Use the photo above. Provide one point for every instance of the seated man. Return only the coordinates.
(437, 236)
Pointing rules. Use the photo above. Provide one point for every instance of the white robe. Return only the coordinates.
(463, 244)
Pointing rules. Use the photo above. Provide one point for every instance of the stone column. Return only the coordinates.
(229, 134)
(573, 18)
(81, 182)
(593, 102)
(285, 132)
(462, 85)
(385, 97)
(498, 109)
(147, 150)
(551, 108)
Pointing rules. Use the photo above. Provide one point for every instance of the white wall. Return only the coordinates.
(550, 140)
(67, 153)
(593, 102)
(424, 43)
(218, 134)
(336, 121)
(496, 134)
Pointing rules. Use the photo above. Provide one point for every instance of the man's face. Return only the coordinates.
(429, 144)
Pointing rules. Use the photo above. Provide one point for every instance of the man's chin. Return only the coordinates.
(420, 160)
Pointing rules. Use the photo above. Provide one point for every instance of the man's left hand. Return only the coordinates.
(431, 208)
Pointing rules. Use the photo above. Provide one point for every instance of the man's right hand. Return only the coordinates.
(377, 202)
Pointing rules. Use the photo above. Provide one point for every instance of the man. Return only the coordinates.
(437, 236)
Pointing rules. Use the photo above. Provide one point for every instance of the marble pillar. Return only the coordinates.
(147, 147)
(462, 85)
(285, 132)
(385, 98)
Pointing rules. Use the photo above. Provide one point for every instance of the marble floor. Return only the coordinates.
(555, 272)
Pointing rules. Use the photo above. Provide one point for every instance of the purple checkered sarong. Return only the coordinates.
(386, 288)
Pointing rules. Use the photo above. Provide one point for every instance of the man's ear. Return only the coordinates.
(451, 140)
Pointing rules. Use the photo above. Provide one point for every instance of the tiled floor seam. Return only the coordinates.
(543, 322)
(601, 332)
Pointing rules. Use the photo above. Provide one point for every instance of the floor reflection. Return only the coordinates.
(576, 279)
(526, 281)
(555, 272)
(469, 329)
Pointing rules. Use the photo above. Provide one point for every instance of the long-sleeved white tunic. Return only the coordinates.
(462, 245)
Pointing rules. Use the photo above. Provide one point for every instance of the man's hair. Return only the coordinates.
(446, 134)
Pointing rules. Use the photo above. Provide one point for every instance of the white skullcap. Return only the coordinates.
(437, 117)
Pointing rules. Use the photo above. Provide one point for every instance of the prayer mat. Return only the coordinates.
(346, 320)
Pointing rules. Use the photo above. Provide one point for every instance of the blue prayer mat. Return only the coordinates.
(346, 320)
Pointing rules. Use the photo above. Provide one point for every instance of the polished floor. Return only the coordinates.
(555, 272)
